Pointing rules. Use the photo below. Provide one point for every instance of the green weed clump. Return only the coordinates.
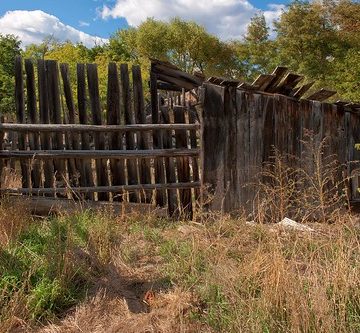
(48, 266)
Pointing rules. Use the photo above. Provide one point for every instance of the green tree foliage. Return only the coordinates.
(257, 50)
(306, 40)
(9, 49)
(322, 41)
(186, 44)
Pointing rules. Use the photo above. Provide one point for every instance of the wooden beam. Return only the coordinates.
(278, 73)
(168, 86)
(100, 189)
(94, 128)
(289, 83)
(247, 86)
(98, 154)
(263, 81)
(321, 95)
(161, 69)
(41, 206)
(303, 89)
(182, 83)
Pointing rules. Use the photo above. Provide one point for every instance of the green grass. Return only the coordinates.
(41, 264)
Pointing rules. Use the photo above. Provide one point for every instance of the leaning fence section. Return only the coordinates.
(241, 129)
(64, 143)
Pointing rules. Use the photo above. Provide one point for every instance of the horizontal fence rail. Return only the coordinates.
(99, 154)
(102, 189)
(52, 128)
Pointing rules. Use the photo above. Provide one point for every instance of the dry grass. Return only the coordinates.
(13, 220)
(223, 276)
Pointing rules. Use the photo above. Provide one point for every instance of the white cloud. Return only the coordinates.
(228, 19)
(84, 24)
(34, 26)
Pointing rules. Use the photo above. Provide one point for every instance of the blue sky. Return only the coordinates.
(70, 12)
(32, 19)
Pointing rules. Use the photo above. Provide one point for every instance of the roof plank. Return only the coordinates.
(278, 73)
(288, 84)
(263, 81)
(321, 95)
(303, 89)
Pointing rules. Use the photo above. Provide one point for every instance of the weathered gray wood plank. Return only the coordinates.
(182, 164)
(117, 167)
(20, 116)
(143, 139)
(34, 138)
(99, 138)
(131, 165)
(87, 172)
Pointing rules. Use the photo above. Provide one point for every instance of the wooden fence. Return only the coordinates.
(84, 150)
(118, 152)
(240, 128)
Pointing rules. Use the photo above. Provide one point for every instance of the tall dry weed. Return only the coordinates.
(310, 188)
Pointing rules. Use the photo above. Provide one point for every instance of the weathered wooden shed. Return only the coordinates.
(242, 124)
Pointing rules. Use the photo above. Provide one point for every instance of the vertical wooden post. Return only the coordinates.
(45, 138)
(34, 138)
(20, 115)
(213, 133)
(72, 139)
(157, 140)
(353, 155)
(129, 119)
(2, 163)
(117, 167)
(183, 167)
(88, 179)
(101, 165)
(172, 201)
(56, 117)
(193, 118)
(143, 140)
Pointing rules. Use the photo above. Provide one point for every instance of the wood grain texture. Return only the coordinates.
(20, 117)
(193, 118)
(182, 164)
(45, 138)
(34, 138)
(100, 189)
(72, 139)
(99, 154)
(55, 114)
(172, 196)
(131, 165)
(213, 136)
(87, 172)
(79, 128)
(99, 138)
(114, 116)
(143, 139)
(160, 196)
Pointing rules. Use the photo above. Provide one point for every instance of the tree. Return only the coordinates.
(257, 51)
(306, 44)
(324, 44)
(39, 51)
(9, 49)
(186, 44)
